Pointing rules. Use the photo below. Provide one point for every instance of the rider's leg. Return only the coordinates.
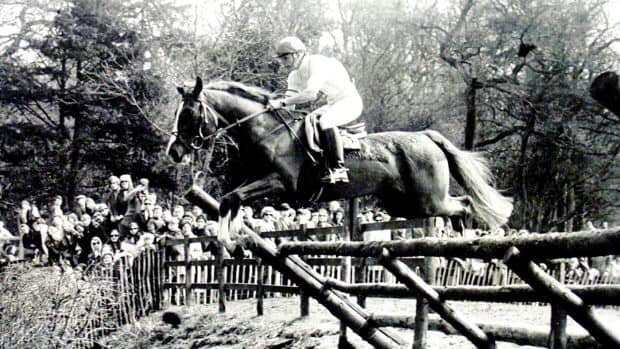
(333, 115)
(335, 156)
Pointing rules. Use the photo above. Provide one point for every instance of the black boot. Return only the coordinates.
(335, 157)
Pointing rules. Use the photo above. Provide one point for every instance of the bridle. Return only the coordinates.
(208, 112)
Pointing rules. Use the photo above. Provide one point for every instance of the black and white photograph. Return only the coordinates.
(310, 174)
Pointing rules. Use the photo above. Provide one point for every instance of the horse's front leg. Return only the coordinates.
(230, 219)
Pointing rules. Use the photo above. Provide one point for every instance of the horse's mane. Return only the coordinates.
(238, 89)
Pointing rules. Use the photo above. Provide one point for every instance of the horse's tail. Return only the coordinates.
(471, 170)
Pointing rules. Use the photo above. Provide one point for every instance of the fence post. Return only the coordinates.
(304, 306)
(360, 266)
(421, 311)
(188, 277)
(21, 251)
(557, 337)
(346, 265)
(260, 291)
(219, 271)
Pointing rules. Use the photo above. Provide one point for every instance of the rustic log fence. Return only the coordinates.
(564, 299)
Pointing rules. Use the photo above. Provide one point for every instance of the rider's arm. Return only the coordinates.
(309, 89)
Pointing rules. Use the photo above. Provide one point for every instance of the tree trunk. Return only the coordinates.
(470, 122)
(76, 146)
(570, 203)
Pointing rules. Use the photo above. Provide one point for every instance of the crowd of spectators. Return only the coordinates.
(126, 220)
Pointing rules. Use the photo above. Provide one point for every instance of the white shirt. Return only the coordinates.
(325, 74)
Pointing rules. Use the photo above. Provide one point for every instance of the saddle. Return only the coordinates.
(350, 134)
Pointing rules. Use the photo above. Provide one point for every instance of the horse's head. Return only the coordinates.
(193, 123)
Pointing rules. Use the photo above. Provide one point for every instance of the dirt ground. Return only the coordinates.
(281, 327)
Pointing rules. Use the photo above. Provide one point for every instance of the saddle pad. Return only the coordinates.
(349, 141)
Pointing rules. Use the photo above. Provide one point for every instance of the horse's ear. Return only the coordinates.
(181, 90)
(198, 87)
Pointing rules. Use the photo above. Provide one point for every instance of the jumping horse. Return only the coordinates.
(409, 172)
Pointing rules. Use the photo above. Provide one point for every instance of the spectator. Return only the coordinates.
(268, 222)
(323, 219)
(303, 217)
(79, 207)
(115, 241)
(369, 216)
(151, 228)
(178, 212)
(324, 222)
(134, 233)
(333, 207)
(55, 206)
(314, 218)
(146, 243)
(27, 213)
(248, 218)
(212, 228)
(287, 217)
(144, 209)
(195, 248)
(196, 211)
(30, 241)
(8, 254)
(402, 233)
(157, 217)
(113, 199)
(6, 238)
(107, 259)
(200, 225)
(99, 227)
(5, 234)
(39, 229)
(378, 235)
(92, 207)
(134, 197)
(338, 217)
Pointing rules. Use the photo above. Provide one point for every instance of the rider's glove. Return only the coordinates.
(274, 104)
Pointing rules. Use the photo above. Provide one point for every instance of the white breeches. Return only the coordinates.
(340, 112)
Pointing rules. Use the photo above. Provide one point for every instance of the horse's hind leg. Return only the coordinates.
(457, 209)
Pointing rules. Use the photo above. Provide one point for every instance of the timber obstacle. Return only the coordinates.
(517, 253)
(313, 284)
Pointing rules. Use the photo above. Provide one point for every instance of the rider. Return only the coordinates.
(310, 74)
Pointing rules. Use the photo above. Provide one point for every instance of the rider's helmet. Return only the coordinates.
(289, 44)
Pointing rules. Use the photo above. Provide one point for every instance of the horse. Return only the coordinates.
(409, 172)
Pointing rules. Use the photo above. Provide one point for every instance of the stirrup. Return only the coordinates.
(336, 175)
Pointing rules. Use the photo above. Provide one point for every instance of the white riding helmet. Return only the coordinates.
(289, 44)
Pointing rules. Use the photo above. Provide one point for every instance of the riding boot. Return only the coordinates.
(335, 157)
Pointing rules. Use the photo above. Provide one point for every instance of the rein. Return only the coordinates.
(198, 142)
(201, 138)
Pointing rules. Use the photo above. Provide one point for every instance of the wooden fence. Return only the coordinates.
(521, 255)
(133, 291)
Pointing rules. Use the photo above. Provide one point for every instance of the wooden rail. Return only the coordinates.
(533, 247)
